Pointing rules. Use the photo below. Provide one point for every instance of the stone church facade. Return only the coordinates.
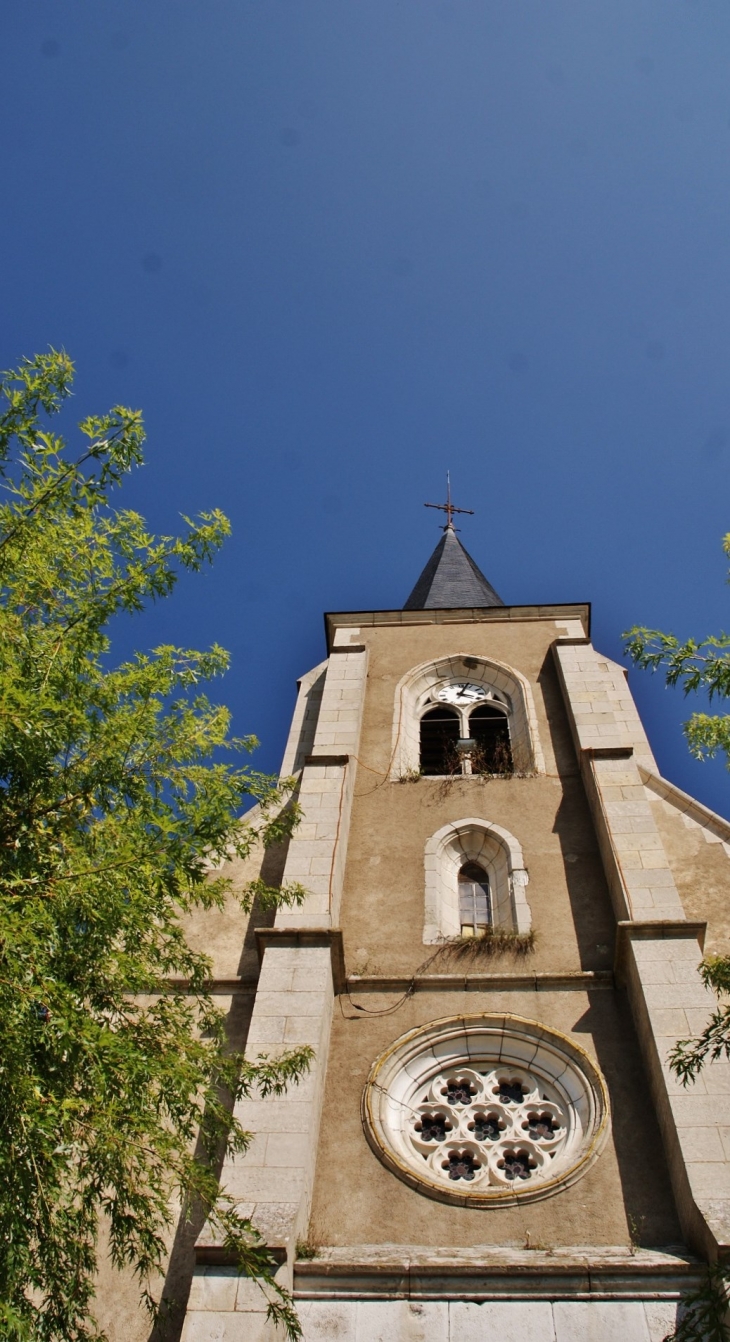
(507, 910)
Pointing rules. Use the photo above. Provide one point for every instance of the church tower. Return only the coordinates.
(500, 945)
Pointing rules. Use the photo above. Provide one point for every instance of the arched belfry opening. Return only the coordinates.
(489, 730)
(439, 737)
(456, 738)
(464, 714)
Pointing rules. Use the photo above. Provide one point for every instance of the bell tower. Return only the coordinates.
(506, 911)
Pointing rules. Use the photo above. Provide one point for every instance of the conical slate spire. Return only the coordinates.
(451, 580)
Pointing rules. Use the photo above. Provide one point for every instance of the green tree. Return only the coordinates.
(119, 790)
(703, 667)
(698, 667)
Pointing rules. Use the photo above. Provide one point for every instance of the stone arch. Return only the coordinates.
(497, 852)
(510, 686)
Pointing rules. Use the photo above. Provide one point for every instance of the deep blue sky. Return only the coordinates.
(333, 247)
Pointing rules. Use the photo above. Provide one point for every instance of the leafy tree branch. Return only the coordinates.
(704, 1310)
(702, 666)
(121, 792)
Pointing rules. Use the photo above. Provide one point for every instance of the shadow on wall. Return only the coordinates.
(272, 873)
(181, 1264)
(651, 1215)
(590, 901)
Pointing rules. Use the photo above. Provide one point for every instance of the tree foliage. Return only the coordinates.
(119, 791)
(697, 667)
(703, 1316)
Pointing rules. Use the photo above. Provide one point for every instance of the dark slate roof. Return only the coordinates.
(451, 580)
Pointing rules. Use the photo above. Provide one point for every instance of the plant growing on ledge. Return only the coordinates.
(493, 762)
(306, 1250)
(120, 789)
(494, 941)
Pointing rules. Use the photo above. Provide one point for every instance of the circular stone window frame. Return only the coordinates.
(468, 1042)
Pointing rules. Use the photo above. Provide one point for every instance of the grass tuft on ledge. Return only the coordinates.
(497, 941)
(306, 1250)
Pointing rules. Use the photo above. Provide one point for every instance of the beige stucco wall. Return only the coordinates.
(382, 920)
(358, 1201)
(395, 651)
(383, 903)
(226, 934)
(701, 870)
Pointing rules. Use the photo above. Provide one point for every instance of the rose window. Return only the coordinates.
(485, 1109)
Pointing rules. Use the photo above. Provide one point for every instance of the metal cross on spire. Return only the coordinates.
(448, 507)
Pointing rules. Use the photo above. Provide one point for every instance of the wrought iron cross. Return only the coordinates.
(448, 507)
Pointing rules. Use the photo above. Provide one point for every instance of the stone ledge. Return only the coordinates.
(370, 1272)
(324, 761)
(219, 987)
(307, 937)
(274, 1222)
(577, 980)
(454, 615)
(658, 929)
(686, 805)
(215, 1255)
(607, 752)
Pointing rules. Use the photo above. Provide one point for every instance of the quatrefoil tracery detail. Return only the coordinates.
(493, 1126)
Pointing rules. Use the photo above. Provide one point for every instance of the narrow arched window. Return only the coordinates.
(475, 903)
(439, 735)
(488, 727)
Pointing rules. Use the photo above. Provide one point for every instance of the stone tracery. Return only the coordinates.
(504, 1123)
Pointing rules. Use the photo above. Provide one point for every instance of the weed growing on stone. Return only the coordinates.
(496, 941)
